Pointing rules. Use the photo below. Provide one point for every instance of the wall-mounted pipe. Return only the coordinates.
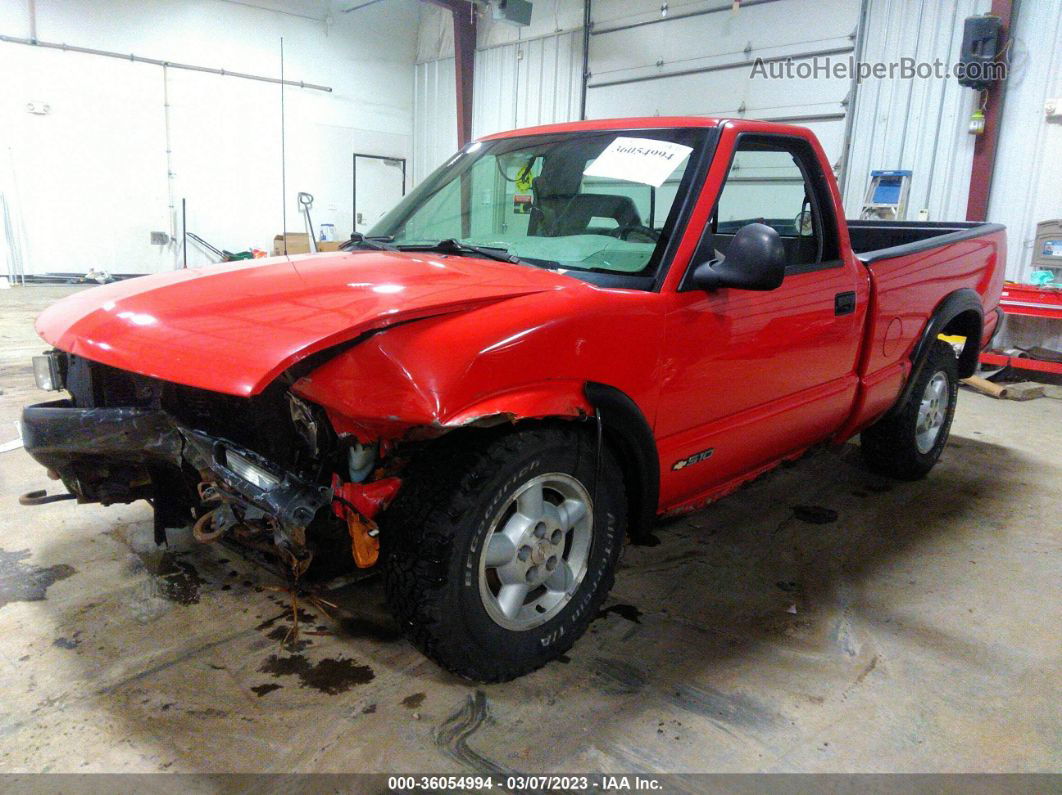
(31, 11)
(159, 62)
(170, 201)
(586, 58)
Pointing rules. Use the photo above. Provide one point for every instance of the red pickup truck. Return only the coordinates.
(562, 334)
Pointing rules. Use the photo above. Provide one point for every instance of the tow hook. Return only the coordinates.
(42, 497)
(214, 524)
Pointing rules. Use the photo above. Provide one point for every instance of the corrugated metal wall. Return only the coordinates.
(650, 58)
(528, 83)
(535, 81)
(1027, 184)
(697, 59)
(434, 116)
(914, 124)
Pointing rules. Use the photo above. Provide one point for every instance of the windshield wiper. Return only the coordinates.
(453, 246)
(357, 239)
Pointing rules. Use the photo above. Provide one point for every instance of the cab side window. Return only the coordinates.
(778, 183)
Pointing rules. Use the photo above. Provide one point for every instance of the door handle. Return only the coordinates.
(844, 303)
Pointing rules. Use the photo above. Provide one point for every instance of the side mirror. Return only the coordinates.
(755, 260)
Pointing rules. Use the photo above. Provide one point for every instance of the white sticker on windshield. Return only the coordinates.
(643, 160)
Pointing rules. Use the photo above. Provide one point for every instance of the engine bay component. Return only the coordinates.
(358, 504)
(361, 459)
(306, 424)
(368, 499)
(364, 540)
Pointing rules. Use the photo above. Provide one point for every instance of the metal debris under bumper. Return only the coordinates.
(70, 441)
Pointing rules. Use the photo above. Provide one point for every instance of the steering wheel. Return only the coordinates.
(624, 232)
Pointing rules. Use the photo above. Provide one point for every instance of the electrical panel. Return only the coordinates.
(981, 43)
(515, 12)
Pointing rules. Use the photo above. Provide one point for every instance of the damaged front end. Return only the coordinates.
(267, 472)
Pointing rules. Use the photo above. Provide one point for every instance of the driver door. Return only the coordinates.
(751, 377)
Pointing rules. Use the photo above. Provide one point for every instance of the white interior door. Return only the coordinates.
(379, 182)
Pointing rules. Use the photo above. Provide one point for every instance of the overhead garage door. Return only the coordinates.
(649, 58)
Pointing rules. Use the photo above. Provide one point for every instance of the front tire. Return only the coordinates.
(907, 443)
(496, 556)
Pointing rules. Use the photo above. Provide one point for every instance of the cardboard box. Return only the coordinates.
(298, 243)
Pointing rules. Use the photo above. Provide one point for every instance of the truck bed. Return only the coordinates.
(878, 240)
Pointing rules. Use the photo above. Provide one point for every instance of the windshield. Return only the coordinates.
(602, 201)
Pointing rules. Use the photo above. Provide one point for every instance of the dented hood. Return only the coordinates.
(235, 327)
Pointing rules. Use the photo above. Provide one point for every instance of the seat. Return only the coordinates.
(571, 215)
(583, 208)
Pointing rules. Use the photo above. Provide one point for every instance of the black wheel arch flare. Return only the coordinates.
(631, 436)
(959, 313)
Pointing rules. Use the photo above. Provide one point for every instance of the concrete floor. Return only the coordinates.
(918, 631)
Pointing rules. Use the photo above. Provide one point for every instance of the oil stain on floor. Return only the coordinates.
(269, 687)
(629, 612)
(285, 635)
(24, 582)
(173, 579)
(413, 701)
(68, 643)
(814, 514)
(331, 675)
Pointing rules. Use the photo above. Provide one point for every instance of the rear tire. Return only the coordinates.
(907, 443)
(495, 557)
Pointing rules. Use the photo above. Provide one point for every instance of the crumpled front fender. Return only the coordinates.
(536, 401)
(524, 358)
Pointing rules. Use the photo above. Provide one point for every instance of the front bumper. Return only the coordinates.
(58, 433)
(109, 454)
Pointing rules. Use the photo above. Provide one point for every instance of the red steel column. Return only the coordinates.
(464, 15)
(985, 146)
(464, 68)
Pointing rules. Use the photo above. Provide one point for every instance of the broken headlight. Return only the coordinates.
(250, 471)
(48, 371)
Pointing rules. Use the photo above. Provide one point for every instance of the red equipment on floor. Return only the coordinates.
(1028, 301)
